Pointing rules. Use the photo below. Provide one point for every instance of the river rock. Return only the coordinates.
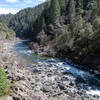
(6, 98)
(42, 80)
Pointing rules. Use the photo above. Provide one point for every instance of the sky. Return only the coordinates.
(13, 6)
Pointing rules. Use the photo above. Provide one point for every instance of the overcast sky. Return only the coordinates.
(13, 6)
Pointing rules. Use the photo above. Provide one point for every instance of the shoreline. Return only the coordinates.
(39, 49)
(42, 81)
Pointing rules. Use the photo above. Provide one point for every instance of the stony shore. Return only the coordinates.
(40, 81)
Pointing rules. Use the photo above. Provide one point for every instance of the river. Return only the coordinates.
(87, 80)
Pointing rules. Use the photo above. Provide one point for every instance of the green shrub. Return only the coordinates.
(96, 23)
(5, 32)
(4, 84)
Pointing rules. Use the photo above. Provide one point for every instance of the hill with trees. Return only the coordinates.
(5, 32)
(70, 27)
(22, 22)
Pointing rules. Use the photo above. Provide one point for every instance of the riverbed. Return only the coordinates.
(34, 77)
(79, 79)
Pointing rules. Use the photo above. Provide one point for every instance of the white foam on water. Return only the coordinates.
(61, 64)
(94, 92)
(23, 50)
(29, 51)
(73, 69)
(67, 68)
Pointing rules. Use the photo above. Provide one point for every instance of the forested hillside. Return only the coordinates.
(22, 22)
(6, 18)
(5, 32)
(70, 27)
(58, 54)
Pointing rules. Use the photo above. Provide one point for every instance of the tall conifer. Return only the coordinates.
(71, 10)
(62, 4)
(54, 11)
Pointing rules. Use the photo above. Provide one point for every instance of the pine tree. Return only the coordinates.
(47, 12)
(54, 11)
(62, 4)
(80, 4)
(94, 8)
(98, 2)
(85, 3)
(71, 10)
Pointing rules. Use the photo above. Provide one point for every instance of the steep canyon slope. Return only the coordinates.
(65, 28)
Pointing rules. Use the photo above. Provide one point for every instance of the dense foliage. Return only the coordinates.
(22, 22)
(4, 85)
(5, 32)
(6, 18)
(72, 27)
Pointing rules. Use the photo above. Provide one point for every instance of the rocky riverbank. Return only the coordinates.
(42, 80)
(89, 63)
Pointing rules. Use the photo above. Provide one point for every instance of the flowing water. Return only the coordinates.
(92, 83)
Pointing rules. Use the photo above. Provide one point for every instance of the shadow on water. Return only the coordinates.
(26, 55)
